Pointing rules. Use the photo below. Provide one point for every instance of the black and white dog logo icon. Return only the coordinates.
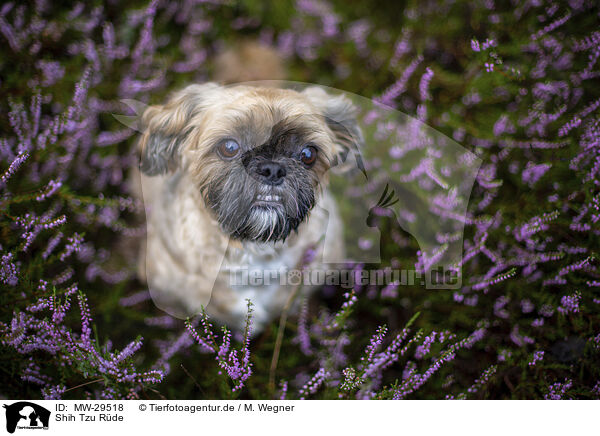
(26, 415)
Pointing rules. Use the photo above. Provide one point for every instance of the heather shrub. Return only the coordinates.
(514, 82)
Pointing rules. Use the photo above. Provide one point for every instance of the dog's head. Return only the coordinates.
(259, 156)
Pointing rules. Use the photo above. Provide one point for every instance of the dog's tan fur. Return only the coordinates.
(249, 61)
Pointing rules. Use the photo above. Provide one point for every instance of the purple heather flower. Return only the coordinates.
(313, 385)
(532, 173)
(478, 384)
(9, 271)
(424, 84)
(537, 356)
(284, 389)
(51, 188)
(73, 245)
(374, 344)
(557, 391)
(538, 322)
(53, 392)
(14, 166)
(303, 335)
(52, 72)
(399, 86)
(236, 363)
(504, 355)
(527, 306)
(569, 303)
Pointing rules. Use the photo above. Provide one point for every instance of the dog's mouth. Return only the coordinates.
(267, 200)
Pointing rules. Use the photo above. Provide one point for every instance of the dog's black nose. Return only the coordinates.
(271, 172)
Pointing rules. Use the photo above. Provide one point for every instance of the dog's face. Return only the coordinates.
(259, 156)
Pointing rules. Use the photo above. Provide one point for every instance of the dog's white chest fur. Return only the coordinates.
(259, 273)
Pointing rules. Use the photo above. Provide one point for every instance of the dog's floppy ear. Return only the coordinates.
(341, 117)
(166, 126)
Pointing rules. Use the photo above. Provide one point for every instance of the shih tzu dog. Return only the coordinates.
(234, 180)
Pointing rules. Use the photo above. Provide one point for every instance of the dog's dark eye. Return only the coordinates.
(229, 149)
(308, 155)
